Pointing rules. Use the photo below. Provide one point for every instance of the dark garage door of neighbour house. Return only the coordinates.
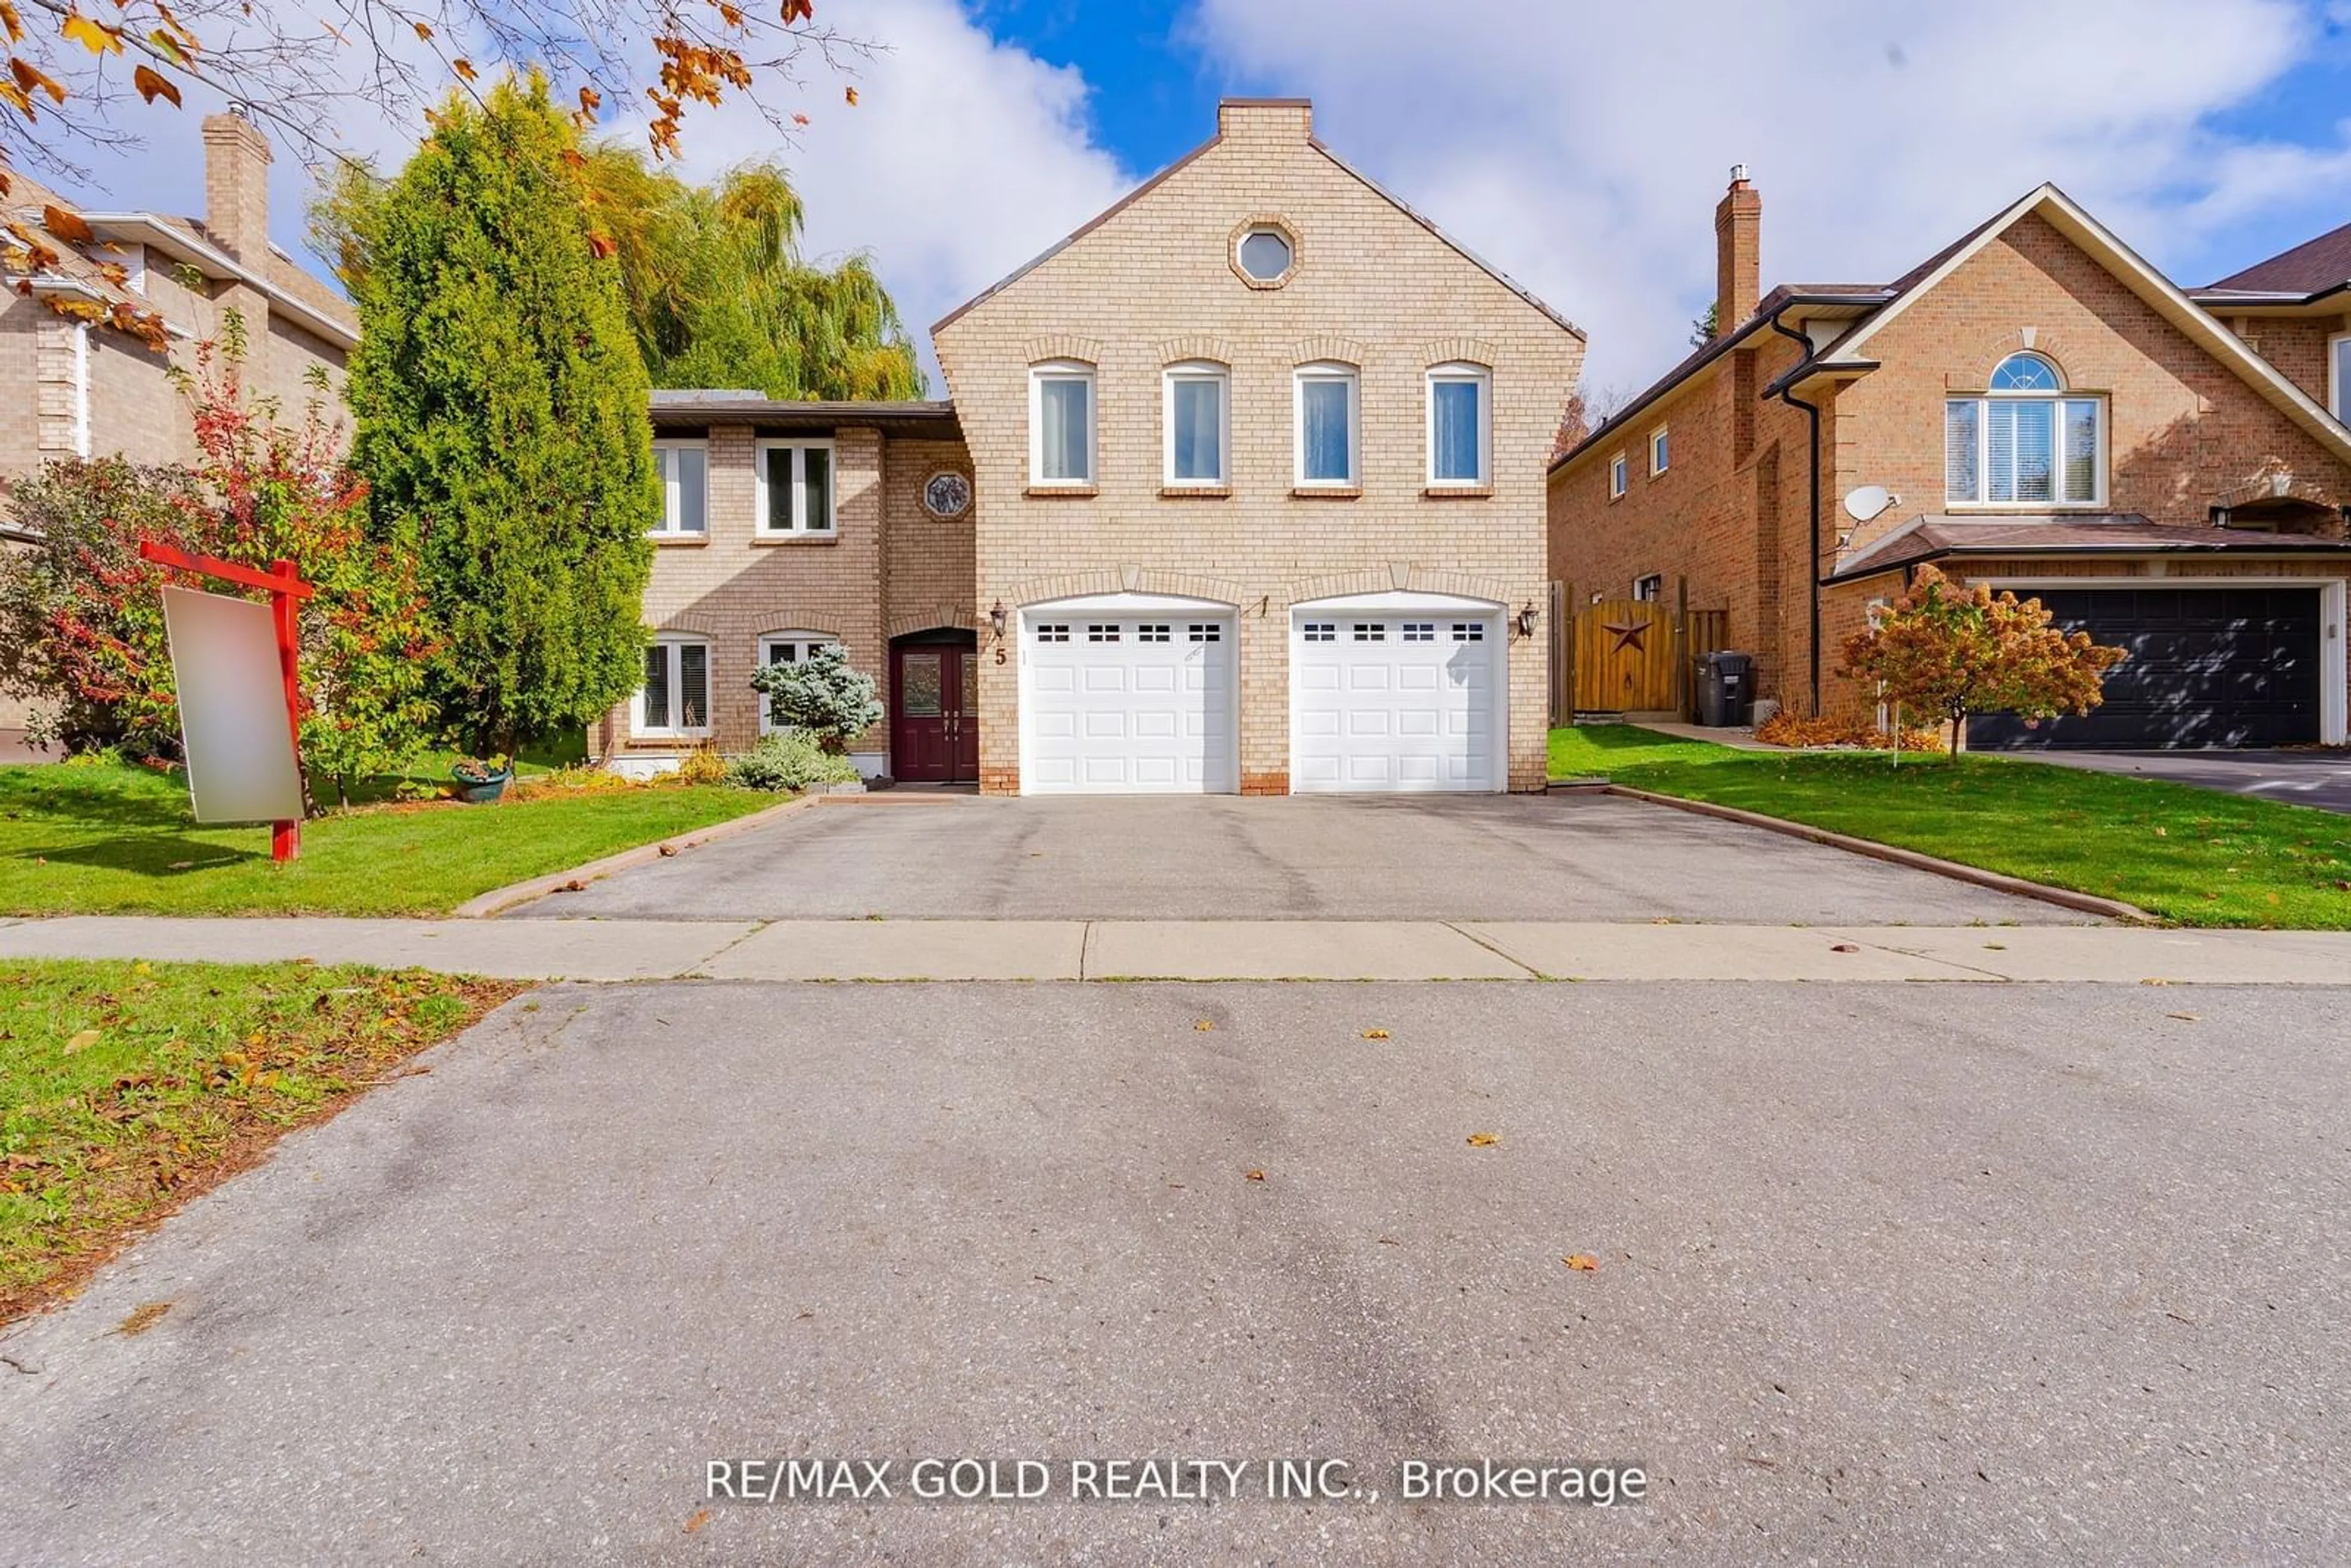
(933, 710)
(2207, 667)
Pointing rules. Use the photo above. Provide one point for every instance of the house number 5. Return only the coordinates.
(999, 652)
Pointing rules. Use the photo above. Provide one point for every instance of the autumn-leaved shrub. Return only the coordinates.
(1785, 729)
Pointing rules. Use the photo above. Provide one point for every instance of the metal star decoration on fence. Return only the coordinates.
(1628, 637)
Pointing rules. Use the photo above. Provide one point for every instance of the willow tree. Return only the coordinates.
(721, 296)
(500, 414)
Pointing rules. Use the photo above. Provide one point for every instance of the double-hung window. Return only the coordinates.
(1329, 426)
(1061, 423)
(2025, 442)
(1460, 425)
(795, 489)
(785, 648)
(675, 699)
(1661, 450)
(1620, 470)
(1198, 423)
(2338, 376)
(684, 467)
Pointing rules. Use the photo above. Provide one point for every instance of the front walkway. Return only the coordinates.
(618, 950)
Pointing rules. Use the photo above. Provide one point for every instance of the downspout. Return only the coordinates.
(1813, 475)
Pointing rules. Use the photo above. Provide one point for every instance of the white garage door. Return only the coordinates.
(1138, 703)
(1388, 700)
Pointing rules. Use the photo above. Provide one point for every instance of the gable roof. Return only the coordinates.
(2070, 219)
(1145, 188)
(2315, 267)
(1846, 353)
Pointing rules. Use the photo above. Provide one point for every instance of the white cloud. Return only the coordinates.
(964, 158)
(1582, 149)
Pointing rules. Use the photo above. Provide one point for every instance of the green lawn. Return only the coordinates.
(127, 1088)
(2195, 856)
(113, 839)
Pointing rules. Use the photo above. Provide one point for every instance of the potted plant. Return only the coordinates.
(480, 781)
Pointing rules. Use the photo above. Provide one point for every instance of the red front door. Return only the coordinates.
(934, 714)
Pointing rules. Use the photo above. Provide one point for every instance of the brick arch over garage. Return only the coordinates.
(1399, 577)
(1123, 579)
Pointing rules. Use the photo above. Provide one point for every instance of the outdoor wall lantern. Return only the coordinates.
(996, 617)
(1527, 620)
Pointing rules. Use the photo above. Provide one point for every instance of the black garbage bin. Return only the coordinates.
(1725, 688)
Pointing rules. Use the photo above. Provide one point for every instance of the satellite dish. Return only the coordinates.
(1867, 502)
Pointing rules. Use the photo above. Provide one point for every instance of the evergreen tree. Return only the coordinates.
(500, 407)
(721, 296)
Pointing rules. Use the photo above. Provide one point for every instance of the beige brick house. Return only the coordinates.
(2034, 407)
(80, 389)
(1252, 501)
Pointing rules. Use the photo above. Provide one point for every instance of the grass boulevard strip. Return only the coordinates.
(128, 1089)
(2194, 856)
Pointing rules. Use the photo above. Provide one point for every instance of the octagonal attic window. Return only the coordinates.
(1265, 253)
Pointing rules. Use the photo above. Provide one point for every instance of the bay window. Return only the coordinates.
(2025, 442)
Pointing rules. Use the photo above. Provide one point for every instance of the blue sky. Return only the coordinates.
(1579, 148)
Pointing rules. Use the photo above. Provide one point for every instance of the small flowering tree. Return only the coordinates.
(80, 611)
(1954, 652)
(822, 695)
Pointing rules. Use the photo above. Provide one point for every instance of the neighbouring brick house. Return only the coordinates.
(2034, 407)
(1240, 489)
(80, 389)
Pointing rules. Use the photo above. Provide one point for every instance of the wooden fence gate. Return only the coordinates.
(1632, 655)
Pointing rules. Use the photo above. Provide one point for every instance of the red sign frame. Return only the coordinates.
(283, 589)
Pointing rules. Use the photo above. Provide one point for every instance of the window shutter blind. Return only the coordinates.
(693, 685)
(1960, 480)
(2081, 450)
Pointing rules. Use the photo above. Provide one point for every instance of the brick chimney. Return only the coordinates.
(1738, 253)
(237, 187)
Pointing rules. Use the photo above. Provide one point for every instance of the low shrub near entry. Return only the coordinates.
(790, 759)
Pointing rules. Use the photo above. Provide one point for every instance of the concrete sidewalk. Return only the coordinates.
(911, 950)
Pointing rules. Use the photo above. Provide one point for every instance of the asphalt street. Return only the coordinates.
(1884, 1274)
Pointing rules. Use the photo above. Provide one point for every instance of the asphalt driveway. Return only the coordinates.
(1885, 1274)
(1462, 857)
(2320, 779)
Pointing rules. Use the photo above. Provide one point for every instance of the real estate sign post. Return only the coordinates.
(234, 662)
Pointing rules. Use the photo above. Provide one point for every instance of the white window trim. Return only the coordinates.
(1063, 370)
(1482, 378)
(672, 524)
(1196, 371)
(1663, 432)
(1983, 401)
(2338, 383)
(670, 642)
(1658, 597)
(1620, 476)
(1326, 370)
(801, 526)
(808, 641)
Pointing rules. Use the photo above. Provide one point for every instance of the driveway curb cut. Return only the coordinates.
(2067, 898)
(498, 900)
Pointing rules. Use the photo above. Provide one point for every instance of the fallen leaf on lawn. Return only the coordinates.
(2186, 1018)
(1844, 947)
(1582, 1262)
(1257, 1176)
(1483, 1140)
(142, 967)
(2161, 834)
(1204, 1025)
(1375, 1034)
(701, 1516)
(82, 1041)
(142, 1318)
